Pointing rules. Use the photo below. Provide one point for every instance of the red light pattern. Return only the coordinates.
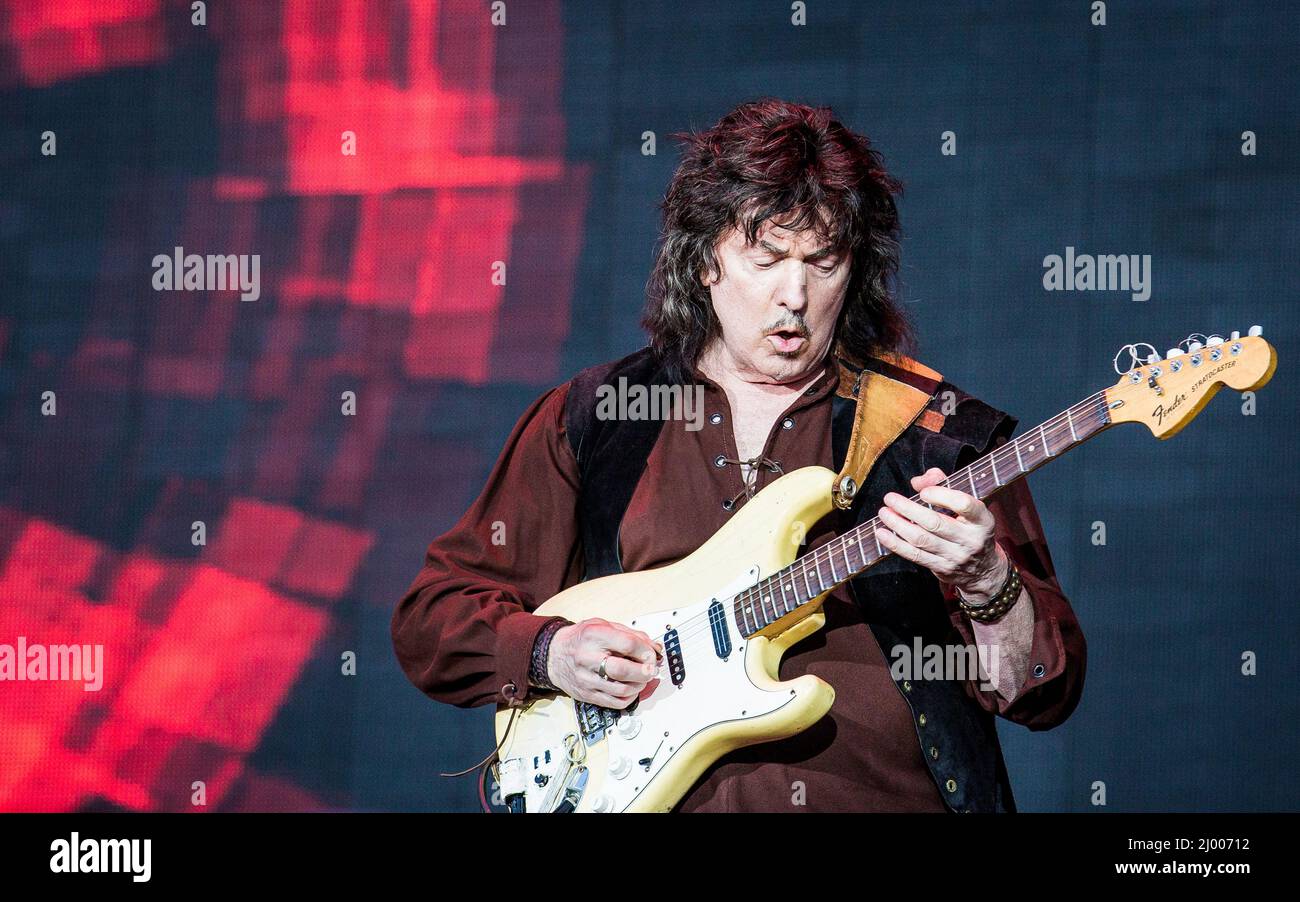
(380, 271)
(54, 40)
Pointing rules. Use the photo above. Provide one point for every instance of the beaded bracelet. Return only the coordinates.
(994, 609)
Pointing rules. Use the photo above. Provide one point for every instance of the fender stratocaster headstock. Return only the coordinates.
(1165, 394)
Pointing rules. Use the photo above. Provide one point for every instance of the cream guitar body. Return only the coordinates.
(727, 613)
(646, 758)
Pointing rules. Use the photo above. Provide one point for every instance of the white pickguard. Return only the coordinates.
(713, 691)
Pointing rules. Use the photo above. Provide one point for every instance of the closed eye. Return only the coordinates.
(826, 269)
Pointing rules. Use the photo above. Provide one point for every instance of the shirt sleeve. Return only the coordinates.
(463, 633)
(1058, 655)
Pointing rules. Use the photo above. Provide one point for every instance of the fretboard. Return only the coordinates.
(844, 557)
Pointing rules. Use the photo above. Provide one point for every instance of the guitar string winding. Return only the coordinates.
(1136, 359)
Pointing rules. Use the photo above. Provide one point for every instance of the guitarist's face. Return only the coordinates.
(777, 303)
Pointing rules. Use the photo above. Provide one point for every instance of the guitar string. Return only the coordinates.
(825, 552)
(690, 629)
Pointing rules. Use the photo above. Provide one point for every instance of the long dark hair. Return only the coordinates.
(765, 159)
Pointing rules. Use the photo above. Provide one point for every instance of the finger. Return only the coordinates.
(628, 643)
(916, 555)
(914, 535)
(657, 646)
(930, 521)
(932, 476)
(590, 682)
(627, 670)
(617, 669)
(605, 700)
(968, 507)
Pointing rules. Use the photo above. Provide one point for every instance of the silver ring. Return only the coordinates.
(601, 671)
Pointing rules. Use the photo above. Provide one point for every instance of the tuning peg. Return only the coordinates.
(1194, 347)
(1174, 352)
(1215, 340)
(1153, 358)
(1235, 335)
(1255, 330)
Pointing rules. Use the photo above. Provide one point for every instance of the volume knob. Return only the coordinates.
(628, 726)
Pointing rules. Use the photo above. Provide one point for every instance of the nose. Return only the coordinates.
(793, 288)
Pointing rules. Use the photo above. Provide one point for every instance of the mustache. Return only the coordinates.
(791, 323)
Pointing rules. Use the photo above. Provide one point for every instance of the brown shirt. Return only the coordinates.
(463, 632)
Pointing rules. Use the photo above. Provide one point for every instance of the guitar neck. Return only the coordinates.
(844, 557)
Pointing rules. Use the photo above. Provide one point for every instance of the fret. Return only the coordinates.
(771, 607)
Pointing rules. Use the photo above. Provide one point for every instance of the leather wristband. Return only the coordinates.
(538, 674)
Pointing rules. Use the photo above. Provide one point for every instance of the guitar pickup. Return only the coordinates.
(718, 626)
(673, 654)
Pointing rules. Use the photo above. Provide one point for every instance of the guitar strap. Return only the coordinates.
(885, 408)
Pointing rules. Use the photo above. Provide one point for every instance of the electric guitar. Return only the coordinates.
(727, 612)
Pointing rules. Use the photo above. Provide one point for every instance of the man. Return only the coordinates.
(772, 296)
